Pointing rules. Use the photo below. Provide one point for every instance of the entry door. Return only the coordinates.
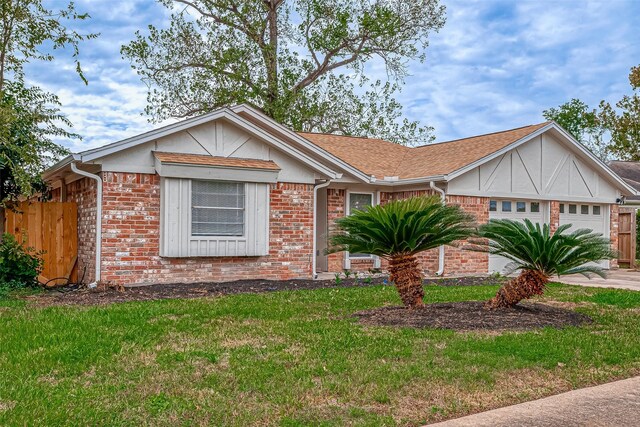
(517, 210)
(322, 262)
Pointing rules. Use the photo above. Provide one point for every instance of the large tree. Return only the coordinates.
(582, 123)
(623, 121)
(610, 130)
(30, 117)
(302, 61)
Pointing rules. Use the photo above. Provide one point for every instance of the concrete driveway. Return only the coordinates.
(621, 279)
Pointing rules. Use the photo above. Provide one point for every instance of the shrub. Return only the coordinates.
(19, 264)
(638, 235)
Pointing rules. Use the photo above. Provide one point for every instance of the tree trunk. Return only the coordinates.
(527, 284)
(406, 276)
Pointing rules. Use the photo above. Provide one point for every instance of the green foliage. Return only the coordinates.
(19, 264)
(399, 227)
(29, 116)
(303, 62)
(582, 123)
(619, 122)
(533, 247)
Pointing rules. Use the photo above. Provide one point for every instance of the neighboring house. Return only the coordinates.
(234, 195)
(630, 173)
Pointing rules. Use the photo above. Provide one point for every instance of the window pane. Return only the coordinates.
(506, 206)
(584, 209)
(493, 206)
(596, 210)
(535, 207)
(573, 209)
(217, 208)
(521, 207)
(359, 201)
(561, 207)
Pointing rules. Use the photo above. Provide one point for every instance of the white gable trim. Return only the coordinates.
(303, 142)
(223, 113)
(599, 164)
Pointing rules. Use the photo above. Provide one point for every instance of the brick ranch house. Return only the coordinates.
(234, 195)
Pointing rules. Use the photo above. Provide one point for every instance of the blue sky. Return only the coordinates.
(496, 64)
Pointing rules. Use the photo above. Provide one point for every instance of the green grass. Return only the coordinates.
(294, 359)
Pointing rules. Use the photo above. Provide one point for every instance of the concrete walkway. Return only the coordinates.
(621, 279)
(613, 404)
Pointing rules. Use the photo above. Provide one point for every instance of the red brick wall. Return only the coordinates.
(131, 221)
(83, 193)
(457, 260)
(554, 220)
(614, 226)
(336, 208)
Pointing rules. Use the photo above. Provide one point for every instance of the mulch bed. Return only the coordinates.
(470, 316)
(107, 295)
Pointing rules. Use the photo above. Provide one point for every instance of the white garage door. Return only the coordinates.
(594, 217)
(518, 210)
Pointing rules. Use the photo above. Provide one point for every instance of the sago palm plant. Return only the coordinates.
(539, 254)
(398, 231)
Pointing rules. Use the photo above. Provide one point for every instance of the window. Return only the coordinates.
(584, 209)
(561, 207)
(535, 207)
(521, 207)
(217, 208)
(359, 201)
(596, 210)
(573, 209)
(506, 206)
(493, 206)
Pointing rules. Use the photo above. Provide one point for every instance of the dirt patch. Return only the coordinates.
(110, 295)
(470, 316)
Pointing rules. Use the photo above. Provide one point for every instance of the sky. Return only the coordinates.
(495, 65)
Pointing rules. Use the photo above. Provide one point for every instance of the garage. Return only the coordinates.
(519, 210)
(582, 215)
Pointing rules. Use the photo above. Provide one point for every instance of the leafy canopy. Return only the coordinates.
(610, 130)
(582, 123)
(401, 227)
(303, 62)
(30, 117)
(532, 247)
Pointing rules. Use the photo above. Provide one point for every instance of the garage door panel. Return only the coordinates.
(582, 215)
(517, 210)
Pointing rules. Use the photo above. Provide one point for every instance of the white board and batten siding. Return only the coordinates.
(176, 239)
(539, 171)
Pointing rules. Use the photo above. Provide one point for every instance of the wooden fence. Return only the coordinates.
(51, 227)
(627, 237)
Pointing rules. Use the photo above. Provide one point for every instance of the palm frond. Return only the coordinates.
(533, 247)
(406, 226)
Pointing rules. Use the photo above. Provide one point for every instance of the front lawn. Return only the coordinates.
(294, 358)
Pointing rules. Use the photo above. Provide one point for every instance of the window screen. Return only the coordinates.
(506, 206)
(493, 206)
(596, 210)
(573, 209)
(521, 207)
(217, 208)
(584, 209)
(535, 207)
(359, 201)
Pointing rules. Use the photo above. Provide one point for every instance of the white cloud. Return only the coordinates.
(496, 64)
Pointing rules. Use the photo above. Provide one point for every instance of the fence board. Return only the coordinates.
(51, 227)
(627, 237)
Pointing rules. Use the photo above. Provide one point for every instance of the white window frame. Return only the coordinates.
(215, 236)
(374, 202)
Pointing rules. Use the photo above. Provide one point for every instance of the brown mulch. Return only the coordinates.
(108, 295)
(470, 315)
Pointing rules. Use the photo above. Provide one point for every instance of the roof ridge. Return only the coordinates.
(482, 134)
(346, 136)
